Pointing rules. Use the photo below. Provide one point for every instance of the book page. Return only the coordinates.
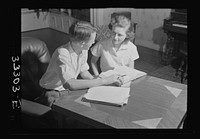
(110, 94)
(127, 84)
(128, 73)
(109, 73)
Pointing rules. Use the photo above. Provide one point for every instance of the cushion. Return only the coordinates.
(36, 46)
(34, 60)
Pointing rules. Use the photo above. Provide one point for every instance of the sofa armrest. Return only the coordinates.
(36, 46)
(33, 108)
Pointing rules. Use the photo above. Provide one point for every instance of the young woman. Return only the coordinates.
(117, 50)
(70, 60)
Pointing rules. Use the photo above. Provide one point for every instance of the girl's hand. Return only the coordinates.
(114, 79)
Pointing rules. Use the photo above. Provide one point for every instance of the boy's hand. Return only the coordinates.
(114, 79)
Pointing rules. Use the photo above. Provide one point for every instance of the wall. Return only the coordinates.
(60, 21)
(149, 31)
(55, 20)
(30, 21)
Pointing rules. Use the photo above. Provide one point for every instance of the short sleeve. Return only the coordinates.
(64, 67)
(84, 65)
(133, 53)
(95, 50)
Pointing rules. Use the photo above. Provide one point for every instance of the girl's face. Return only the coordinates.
(118, 35)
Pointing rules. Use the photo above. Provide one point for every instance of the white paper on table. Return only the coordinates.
(128, 73)
(108, 94)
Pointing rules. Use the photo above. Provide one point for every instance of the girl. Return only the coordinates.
(117, 50)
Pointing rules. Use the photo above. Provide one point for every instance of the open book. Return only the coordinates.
(128, 73)
(108, 95)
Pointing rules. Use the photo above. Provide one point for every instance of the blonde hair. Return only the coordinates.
(123, 22)
(81, 31)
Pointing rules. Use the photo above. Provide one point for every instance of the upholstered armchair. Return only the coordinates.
(34, 61)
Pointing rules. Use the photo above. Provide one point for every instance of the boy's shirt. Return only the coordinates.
(65, 64)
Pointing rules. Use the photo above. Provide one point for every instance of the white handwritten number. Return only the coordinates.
(15, 59)
(15, 88)
(16, 74)
(16, 103)
(16, 81)
(16, 67)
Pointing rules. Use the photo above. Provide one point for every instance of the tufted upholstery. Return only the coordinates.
(36, 46)
(34, 60)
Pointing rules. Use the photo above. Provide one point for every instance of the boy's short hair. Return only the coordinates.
(80, 31)
(124, 22)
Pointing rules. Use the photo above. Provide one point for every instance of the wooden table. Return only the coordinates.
(153, 103)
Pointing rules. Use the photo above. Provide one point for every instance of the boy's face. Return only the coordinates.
(118, 35)
(87, 45)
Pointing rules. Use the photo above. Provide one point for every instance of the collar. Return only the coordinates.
(122, 47)
(71, 50)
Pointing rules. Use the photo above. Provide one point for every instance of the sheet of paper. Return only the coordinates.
(108, 73)
(128, 84)
(110, 94)
(78, 100)
(128, 73)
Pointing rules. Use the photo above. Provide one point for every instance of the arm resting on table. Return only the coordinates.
(74, 84)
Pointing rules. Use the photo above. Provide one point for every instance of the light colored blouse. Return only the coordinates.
(110, 58)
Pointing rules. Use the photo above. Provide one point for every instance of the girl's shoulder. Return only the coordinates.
(129, 44)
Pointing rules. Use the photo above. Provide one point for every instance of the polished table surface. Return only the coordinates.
(153, 103)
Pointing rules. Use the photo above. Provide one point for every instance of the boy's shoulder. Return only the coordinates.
(65, 48)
